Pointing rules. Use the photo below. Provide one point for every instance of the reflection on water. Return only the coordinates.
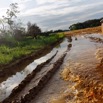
(86, 54)
(7, 86)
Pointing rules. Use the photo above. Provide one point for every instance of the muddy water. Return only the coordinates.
(80, 67)
(83, 53)
(7, 86)
(81, 62)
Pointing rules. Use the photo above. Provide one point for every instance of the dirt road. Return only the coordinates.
(79, 78)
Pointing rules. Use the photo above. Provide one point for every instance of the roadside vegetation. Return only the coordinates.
(16, 41)
(13, 49)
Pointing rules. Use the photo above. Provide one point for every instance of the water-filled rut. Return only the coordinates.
(83, 71)
(79, 78)
(7, 86)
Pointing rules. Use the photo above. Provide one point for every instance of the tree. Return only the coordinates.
(15, 26)
(18, 29)
(33, 30)
(28, 25)
(2, 24)
(11, 13)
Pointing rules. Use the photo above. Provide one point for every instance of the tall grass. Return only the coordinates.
(13, 49)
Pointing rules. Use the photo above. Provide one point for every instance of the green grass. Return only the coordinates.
(16, 49)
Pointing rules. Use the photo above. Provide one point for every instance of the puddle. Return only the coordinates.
(81, 60)
(82, 49)
(7, 86)
(82, 57)
(81, 69)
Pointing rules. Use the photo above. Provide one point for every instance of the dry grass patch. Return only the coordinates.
(84, 31)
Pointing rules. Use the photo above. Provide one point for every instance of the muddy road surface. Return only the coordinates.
(18, 81)
(80, 78)
(70, 73)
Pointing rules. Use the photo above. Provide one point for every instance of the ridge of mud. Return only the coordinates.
(96, 39)
(7, 70)
(39, 84)
(29, 77)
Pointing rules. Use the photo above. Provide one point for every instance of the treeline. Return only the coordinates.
(47, 33)
(86, 24)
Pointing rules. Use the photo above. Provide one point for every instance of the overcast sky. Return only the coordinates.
(55, 14)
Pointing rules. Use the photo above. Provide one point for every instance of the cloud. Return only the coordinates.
(41, 2)
(53, 14)
(3, 11)
(21, 4)
(58, 10)
(21, 1)
(60, 14)
(21, 7)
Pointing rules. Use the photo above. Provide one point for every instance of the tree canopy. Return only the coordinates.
(11, 14)
(86, 24)
(33, 30)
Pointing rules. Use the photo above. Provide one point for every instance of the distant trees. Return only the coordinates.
(86, 24)
(33, 30)
(47, 33)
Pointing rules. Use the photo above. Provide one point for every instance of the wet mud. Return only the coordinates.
(20, 64)
(74, 75)
(84, 69)
(18, 81)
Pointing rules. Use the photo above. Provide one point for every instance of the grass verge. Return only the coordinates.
(13, 49)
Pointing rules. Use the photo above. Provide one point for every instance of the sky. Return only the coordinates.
(55, 14)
